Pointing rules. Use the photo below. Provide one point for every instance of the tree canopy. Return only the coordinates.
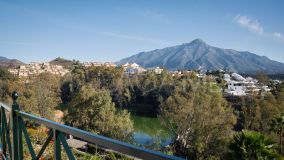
(93, 110)
(201, 121)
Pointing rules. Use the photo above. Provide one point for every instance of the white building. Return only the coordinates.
(237, 77)
(156, 70)
(227, 77)
(35, 68)
(14, 72)
(240, 86)
(98, 64)
(132, 68)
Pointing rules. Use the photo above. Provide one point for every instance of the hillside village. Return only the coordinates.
(36, 68)
(98, 64)
(236, 84)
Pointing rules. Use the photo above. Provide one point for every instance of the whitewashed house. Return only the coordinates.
(132, 68)
(156, 70)
(236, 88)
(240, 86)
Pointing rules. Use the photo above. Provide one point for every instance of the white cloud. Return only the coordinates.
(277, 35)
(254, 26)
(136, 38)
(251, 24)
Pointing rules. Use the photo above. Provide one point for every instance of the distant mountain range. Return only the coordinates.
(199, 55)
(14, 63)
(194, 55)
(10, 63)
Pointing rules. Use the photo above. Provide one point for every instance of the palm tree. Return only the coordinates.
(251, 145)
(277, 126)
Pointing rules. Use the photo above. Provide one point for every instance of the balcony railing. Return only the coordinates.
(13, 130)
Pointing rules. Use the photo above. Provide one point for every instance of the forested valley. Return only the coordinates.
(204, 123)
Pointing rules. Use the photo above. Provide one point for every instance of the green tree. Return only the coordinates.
(251, 145)
(4, 90)
(93, 110)
(277, 126)
(46, 89)
(72, 83)
(279, 94)
(41, 95)
(268, 109)
(262, 78)
(7, 83)
(250, 113)
(5, 74)
(106, 76)
(102, 77)
(201, 121)
(257, 111)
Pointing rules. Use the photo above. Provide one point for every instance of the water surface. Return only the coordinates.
(148, 131)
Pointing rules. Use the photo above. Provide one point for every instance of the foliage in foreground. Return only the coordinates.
(277, 126)
(180, 98)
(93, 110)
(247, 145)
(200, 120)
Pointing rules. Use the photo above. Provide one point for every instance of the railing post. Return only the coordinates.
(14, 127)
(3, 131)
(57, 146)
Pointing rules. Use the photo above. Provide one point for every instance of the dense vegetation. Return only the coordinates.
(204, 123)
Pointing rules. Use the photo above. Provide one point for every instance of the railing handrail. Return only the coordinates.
(5, 106)
(102, 141)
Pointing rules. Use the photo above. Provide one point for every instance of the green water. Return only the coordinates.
(150, 130)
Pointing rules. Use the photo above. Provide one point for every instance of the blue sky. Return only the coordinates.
(90, 30)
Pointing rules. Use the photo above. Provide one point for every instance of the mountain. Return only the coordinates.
(63, 62)
(3, 58)
(197, 54)
(10, 63)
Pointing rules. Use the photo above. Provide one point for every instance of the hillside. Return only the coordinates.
(10, 63)
(63, 62)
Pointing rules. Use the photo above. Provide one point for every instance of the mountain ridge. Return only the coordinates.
(10, 63)
(198, 54)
